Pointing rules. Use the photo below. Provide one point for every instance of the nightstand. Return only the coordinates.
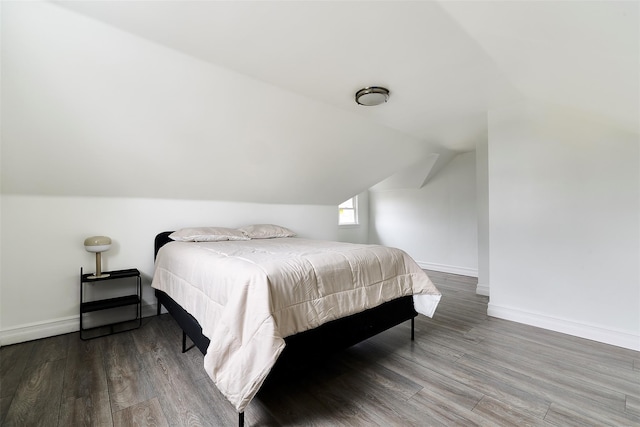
(132, 299)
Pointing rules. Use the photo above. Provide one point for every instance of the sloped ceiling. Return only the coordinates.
(329, 50)
(254, 100)
(581, 54)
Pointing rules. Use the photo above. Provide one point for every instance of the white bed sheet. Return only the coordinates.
(249, 295)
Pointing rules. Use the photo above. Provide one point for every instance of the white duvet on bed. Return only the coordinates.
(249, 295)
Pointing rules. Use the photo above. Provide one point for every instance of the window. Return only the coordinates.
(348, 212)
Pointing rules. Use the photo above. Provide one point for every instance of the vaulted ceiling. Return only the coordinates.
(446, 62)
(282, 76)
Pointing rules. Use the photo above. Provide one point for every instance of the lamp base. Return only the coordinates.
(98, 276)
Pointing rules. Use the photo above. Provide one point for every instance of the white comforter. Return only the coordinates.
(249, 295)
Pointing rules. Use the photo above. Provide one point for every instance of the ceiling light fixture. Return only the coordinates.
(370, 96)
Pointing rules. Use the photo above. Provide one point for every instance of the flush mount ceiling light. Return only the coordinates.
(370, 96)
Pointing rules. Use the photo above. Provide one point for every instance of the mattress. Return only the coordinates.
(249, 295)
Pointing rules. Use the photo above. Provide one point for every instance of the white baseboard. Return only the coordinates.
(50, 328)
(482, 290)
(592, 332)
(463, 271)
(37, 330)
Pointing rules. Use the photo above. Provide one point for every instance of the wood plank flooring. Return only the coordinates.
(463, 368)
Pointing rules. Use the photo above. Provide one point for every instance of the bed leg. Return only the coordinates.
(159, 307)
(412, 328)
(241, 419)
(184, 342)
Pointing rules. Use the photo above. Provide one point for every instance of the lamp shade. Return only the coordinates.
(97, 243)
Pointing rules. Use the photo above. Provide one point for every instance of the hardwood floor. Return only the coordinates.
(463, 368)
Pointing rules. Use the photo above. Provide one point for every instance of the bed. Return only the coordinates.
(257, 307)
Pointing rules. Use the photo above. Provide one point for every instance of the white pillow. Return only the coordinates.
(266, 231)
(207, 234)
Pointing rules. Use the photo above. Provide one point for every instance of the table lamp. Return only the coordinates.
(97, 244)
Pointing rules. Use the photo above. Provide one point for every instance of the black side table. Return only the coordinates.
(109, 303)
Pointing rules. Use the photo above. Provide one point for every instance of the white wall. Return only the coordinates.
(482, 201)
(42, 248)
(436, 224)
(564, 223)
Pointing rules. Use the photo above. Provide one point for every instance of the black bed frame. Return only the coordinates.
(306, 348)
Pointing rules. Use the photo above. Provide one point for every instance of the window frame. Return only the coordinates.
(356, 222)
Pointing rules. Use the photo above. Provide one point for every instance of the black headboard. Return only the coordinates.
(161, 240)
